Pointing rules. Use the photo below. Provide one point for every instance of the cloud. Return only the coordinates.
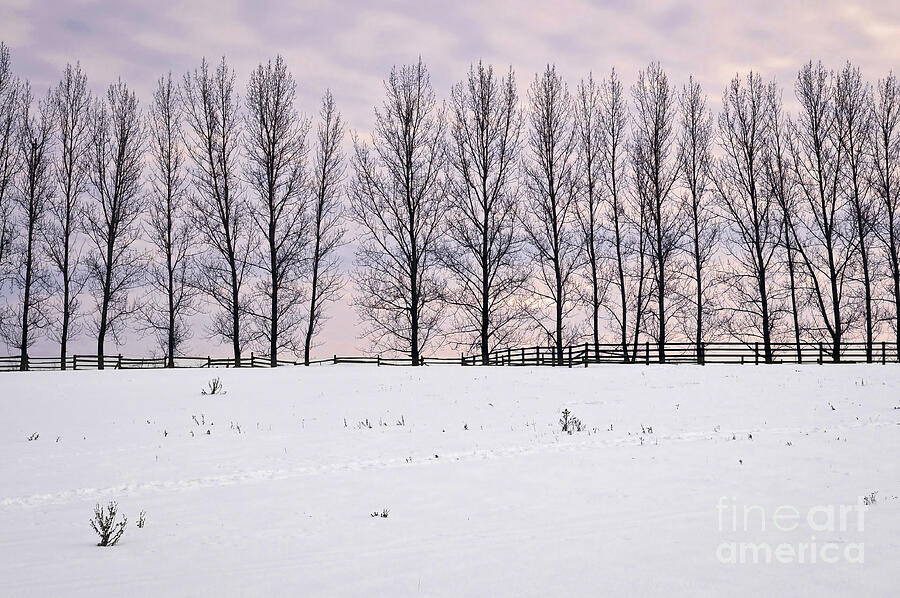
(350, 46)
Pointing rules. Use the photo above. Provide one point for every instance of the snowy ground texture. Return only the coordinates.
(486, 496)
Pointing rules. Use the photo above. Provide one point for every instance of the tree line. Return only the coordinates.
(591, 214)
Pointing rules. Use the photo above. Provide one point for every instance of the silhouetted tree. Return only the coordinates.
(618, 235)
(886, 183)
(484, 247)
(825, 237)
(853, 127)
(327, 219)
(9, 163)
(277, 175)
(115, 265)
(780, 183)
(33, 189)
(655, 153)
(695, 139)
(590, 133)
(398, 199)
(552, 184)
(71, 101)
(171, 275)
(752, 214)
(219, 214)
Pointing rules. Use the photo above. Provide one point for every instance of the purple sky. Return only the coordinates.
(350, 46)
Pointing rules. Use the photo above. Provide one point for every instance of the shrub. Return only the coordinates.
(383, 514)
(142, 520)
(214, 387)
(104, 523)
(570, 423)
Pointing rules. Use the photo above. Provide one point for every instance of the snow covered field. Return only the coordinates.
(486, 496)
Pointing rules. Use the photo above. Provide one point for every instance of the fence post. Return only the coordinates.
(252, 359)
(585, 354)
(570, 355)
(75, 362)
(647, 352)
(702, 354)
(119, 364)
(335, 360)
(883, 353)
(820, 353)
(755, 353)
(378, 360)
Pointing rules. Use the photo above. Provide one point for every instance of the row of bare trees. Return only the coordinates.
(486, 221)
(200, 202)
(594, 215)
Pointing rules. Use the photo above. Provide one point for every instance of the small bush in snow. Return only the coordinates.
(870, 499)
(34, 436)
(214, 387)
(104, 524)
(142, 520)
(383, 514)
(570, 423)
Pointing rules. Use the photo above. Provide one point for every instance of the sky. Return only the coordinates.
(350, 46)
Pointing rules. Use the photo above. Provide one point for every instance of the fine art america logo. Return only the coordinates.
(819, 534)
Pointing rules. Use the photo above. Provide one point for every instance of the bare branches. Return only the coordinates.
(9, 158)
(397, 198)
(33, 189)
(115, 264)
(327, 220)
(853, 106)
(885, 180)
(483, 248)
(71, 102)
(655, 158)
(591, 141)
(552, 185)
(703, 231)
(170, 273)
(277, 175)
(219, 214)
(751, 212)
(825, 239)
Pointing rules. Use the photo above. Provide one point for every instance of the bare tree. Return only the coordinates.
(71, 102)
(825, 237)
(33, 189)
(219, 214)
(655, 153)
(589, 209)
(115, 265)
(327, 220)
(615, 220)
(483, 249)
(853, 127)
(752, 214)
(170, 270)
(397, 198)
(886, 183)
(552, 184)
(694, 154)
(9, 163)
(277, 174)
(781, 184)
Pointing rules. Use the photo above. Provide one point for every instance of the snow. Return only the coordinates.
(508, 507)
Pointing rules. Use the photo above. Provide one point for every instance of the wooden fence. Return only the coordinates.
(682, 352)
(572, 356)
(120, 362)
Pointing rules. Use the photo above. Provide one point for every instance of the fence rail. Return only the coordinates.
(120, 362)
(570, 356)
(682, 352)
